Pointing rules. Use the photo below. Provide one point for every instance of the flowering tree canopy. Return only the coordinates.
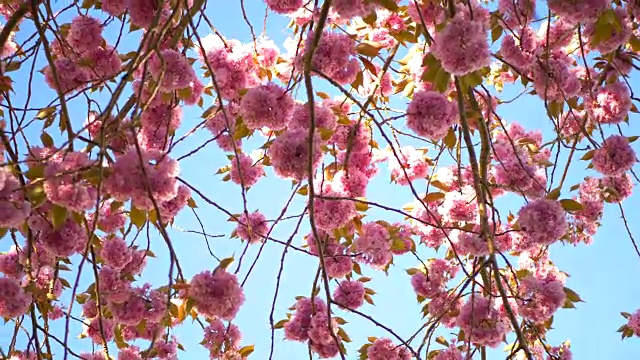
(366, 103)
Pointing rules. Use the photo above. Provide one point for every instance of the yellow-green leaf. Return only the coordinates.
(554, 194)
(137, 216)
(59, 216)
(450, 139)
(46, 112)
(246, 350)
(225, 263)
(571, 205)
(362, 206)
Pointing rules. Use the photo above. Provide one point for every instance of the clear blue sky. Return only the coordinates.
(601, 273)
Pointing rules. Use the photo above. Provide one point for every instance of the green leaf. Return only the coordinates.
(137, 216)
(46, 112)
(588, 155)
(390, 5)
(450, 139)
(572, 295)
(554, 194)
(59, 216)
(343, 335)
(362, 205)
(571, 205)
(368, 48)
(246, 350)
(496, 32)
(224, 263)
(46, 139)
(280, 324)
(120, 343)
(442, 341)
(434, 196)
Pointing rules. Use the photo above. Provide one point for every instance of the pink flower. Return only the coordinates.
(284, 6)
(85, 34)
(129, 353)
(433, 282)
(102, 63)
(267, 52)
(216, 294)
(446, 307)
(354, 182)
(614, 157)
(63, 186)
(385, 349)
(552, 78)
(462, 46)
(348, 9)
(129, 312)
(297, 328)
(520, 12)
(481, 321)
(178, 72)
(430, 114)
(334, 57)
(540, 298)
(137, 263)
(101, 330)
(252, 229)
(521, 52)
(324, 118)
(543, 221)
(330, 214)
(289, 154)
(69, 77)
(375, 245)
(14, 208)
(112, 285)
(219, 338)
(610, 105)
(114, 8)
(10, 264)
(460, 205)
(412, 162)
(129, 181)
(617, 188)
(232, 64)
(170, 209)
(64, 241)
(116, 253)
(349, 293)
(634, 323)
(247, 173)
(14, 302)
(578, 11)
(266, 105)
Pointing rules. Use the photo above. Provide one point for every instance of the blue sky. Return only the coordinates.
(600, 273)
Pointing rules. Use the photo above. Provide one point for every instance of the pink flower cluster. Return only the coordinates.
(412, 166)
(252, 228)
(334, 57)
(82, 56)
(542, 222)
(462, 45)
(431, 283)
(384, 348)
(310, 323)
(430, 114)
(374, 245)
(216, 294)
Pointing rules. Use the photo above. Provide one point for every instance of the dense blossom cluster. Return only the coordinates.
(91, 201)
